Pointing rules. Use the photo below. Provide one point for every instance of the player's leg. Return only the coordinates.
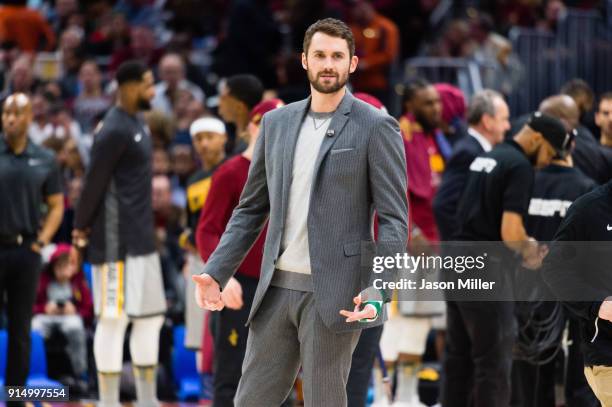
(108, 280)
(146, 306)
(108, 353)
(144, 349)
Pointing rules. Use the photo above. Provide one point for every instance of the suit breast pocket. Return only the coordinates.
(341, 164)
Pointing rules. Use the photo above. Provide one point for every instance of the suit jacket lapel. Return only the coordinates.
(336, 125)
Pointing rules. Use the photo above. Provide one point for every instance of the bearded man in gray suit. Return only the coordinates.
(321, 168)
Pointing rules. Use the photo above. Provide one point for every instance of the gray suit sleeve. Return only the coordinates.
(388, 183)
(247, 221)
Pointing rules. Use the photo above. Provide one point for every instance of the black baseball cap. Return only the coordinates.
(554, 131)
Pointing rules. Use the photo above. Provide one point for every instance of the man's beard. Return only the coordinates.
(327, 89)
(426, 124)
(144, 104)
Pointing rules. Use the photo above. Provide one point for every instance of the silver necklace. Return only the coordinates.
(314, 123)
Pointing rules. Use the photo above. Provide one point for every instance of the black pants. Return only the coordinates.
(478, 357)
(361, 366)
(578, 393)
(19, 272)
(534, 385)
(230, 338)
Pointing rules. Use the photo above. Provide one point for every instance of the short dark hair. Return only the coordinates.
(412, 87)
(604, 96)
(333, 28)
(576, 86)
(130, 71)
(246, 88)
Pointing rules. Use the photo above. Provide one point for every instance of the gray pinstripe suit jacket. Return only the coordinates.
(360, 169)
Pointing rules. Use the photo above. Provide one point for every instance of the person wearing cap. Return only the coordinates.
(320, 167)
(555, 187)
(114, 228)
(64, 302)
(480, 335)
(230, 333)
(209, 137)
(29, 179)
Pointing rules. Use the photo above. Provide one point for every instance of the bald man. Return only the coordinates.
(29, 180)
(172, 76)
(587, 155)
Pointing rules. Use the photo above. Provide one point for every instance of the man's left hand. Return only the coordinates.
(368, 312)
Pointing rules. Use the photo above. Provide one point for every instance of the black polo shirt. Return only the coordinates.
(116, 201)
(25, 181)
(500, 180)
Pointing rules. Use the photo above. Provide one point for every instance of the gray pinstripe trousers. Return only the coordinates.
(287, 332)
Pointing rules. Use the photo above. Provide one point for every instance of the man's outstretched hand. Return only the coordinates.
(207, 292)
(368, 312)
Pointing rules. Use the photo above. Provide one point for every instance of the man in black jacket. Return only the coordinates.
(577, 270)
(488, 121)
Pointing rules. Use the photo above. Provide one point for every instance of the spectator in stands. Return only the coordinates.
(377, 46)
(41, 112)
(182, 161)
(488, 116)
(250, 42)
(161, 127)
(503, 70)
(142, 47)
(62, 125)
(64, 302)
(172, 75)
(453, 111)
(26, 27)
(455, 42)
(583, 95)
(238, 96)
(60, 15)
(111, 35)
(161, 161)
(91, 101)
(167, 230)
(70, 54)
(21, 77)
(603, 118)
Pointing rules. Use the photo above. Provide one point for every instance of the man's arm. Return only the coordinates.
(105, 153)
(53, 219)
(388, 183)
(215, 214)
(247, 221)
